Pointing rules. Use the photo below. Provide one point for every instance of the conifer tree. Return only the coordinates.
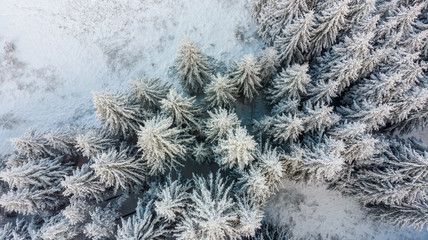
(149, 91)
(172, 200)
(118, 170)
(268, 62)
(219, 123)
(329, 23)
(117, 113)
(83, 184)
(32, 144)
(246, 77)
(250, 217)
(31, 201)
(291, 83)
(102, 223)
(295, 43)
(236, 149)
(57, 227)
(221, 92)
(78, 211)
(41, 173)
(255, 184)
(93, 141)
(193, 67)
(161, 144)
(286, 127)
(144, 224)
(181, 109)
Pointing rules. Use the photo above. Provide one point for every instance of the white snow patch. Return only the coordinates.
(65, 49)
(313, 212)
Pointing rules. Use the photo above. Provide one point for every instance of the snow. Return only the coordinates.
(312, 212)
(66, 49)
(63, 50)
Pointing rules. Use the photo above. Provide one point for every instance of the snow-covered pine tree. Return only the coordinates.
(274, 15)
(118, 113)
(212, 215)
(161, 144)
(268, 61)
(31, 201)
(18, 231)
(93, 141)
(291, 83)
(57, 227)
(149, 91)
(102, 224)
(220, 92)
(331, 20)
(219, 123)
(271, 165)
(255, 184)
(368, 113)
(286, 127)
(62, 141)
(286, 105)
(295, 42)
(201, 152)
(119, 169)
(181, 109)
(192, 66)
(144, 224)
(32, 144)
(172, 200)
(42, 173)
(83, 184)
(245, 76)
(237, 149)
(319, 117)
(250, 217)
(77, 211)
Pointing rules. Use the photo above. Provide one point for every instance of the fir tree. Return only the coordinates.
(219, 123)
(149, 91)
(118, 170)
(172, 200)
(221, 92)
(181, 109)
(192, 65)
(246, 77)
(83, 183)
(117, 113)
(268, 62)
(295, 43)
(162, 144)
(94, 141)
(236, 149)
(102, 223)
(291, 82)
(329, 23)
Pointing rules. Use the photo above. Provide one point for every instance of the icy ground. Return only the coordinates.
(54, 53)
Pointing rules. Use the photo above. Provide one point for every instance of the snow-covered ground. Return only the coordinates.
(62, 50)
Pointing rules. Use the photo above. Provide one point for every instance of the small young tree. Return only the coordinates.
(201, 152)
(150, 91)
(181, 109)
(118, 170)
(221, 92)
(172, 200)
(236, 149)
(295, 43)
(286, 127)
(290, 83)
(83, 184)
(118, 113)
(193, 67)
(78, 211)
(57, 227)
(271, 165)
(162, 144)
(219, 123)
(246, 76)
